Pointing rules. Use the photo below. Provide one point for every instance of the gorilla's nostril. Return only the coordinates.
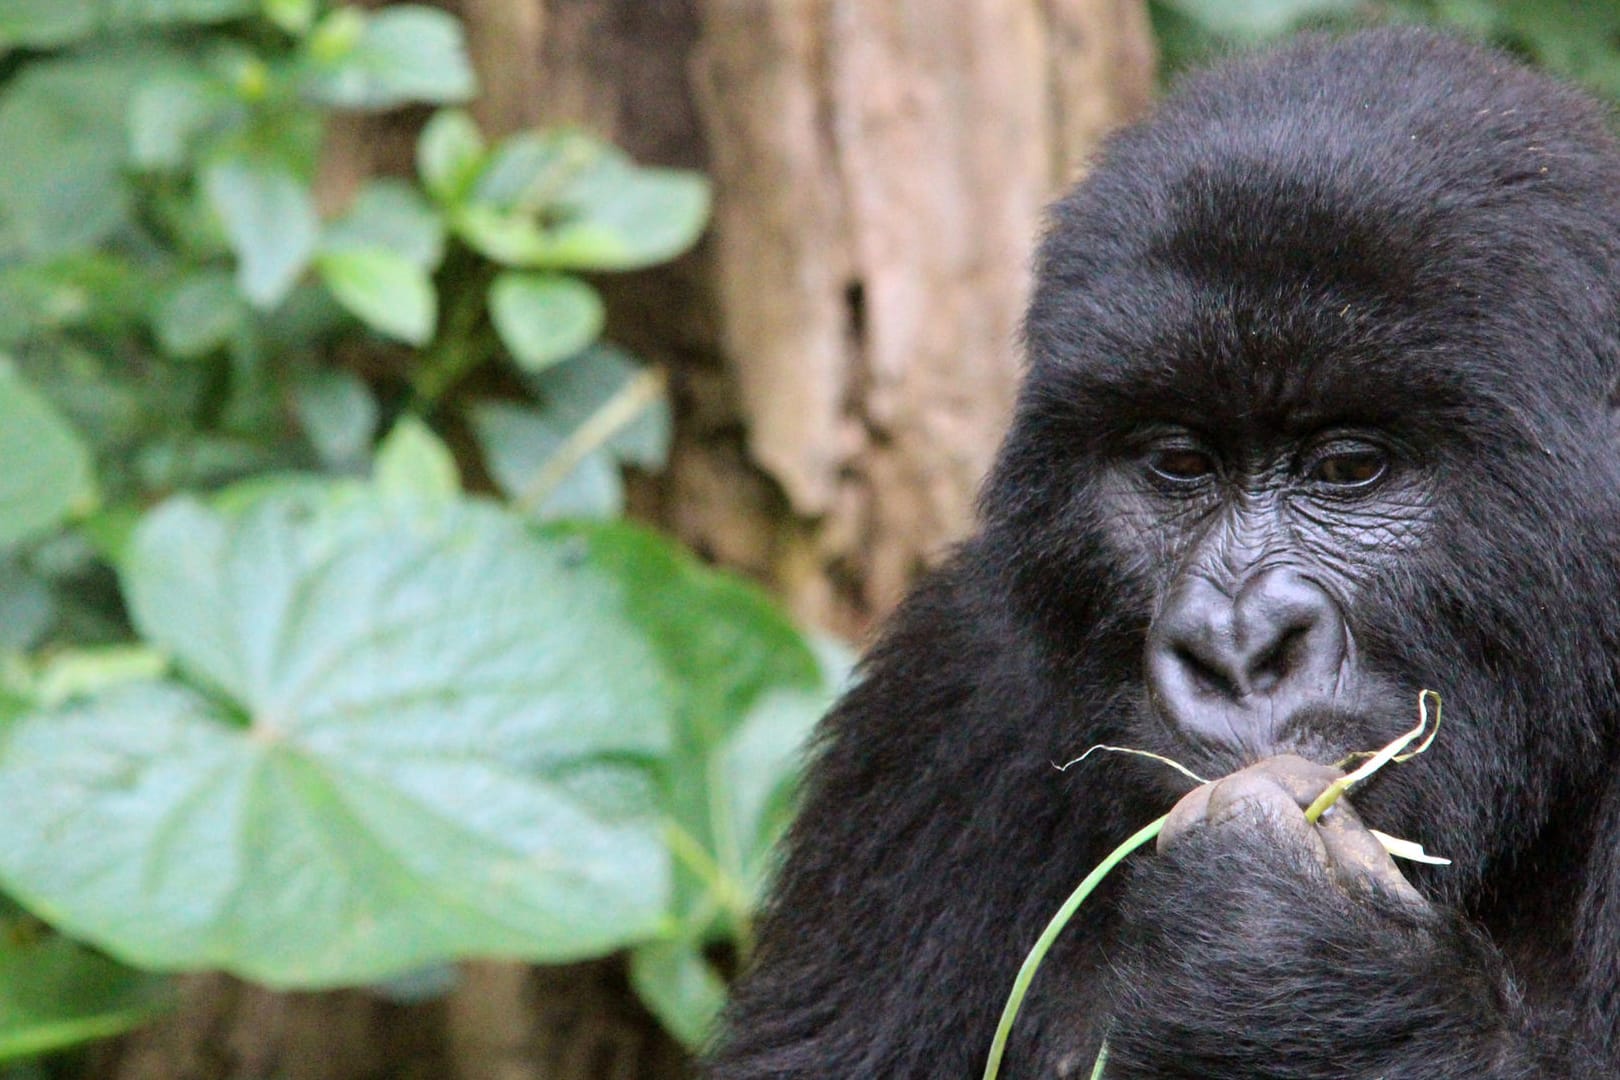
(1275, 662)
(1206, 677)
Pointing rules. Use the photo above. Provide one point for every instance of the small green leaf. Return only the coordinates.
(391, 215)
(27, 606)
(680, 986)
(576, 389)
(518, 444)
(62, 122)
(544, 318)
(413, 462)
(403, 53)
(507, 238)
(49, 476)
(198, 314)
(55, 994)
(1256, 20)
(45, 24)
(168, 115)
(293, 16)
(385, 291)
(449, 155)
(338, 413)
(618, 217)
(270, 221)
(72, 673)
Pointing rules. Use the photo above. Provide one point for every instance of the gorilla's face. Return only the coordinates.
(1273, 475)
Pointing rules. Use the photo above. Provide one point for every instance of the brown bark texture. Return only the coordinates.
(843, 354)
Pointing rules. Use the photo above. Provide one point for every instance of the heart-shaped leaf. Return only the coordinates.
(408, 732)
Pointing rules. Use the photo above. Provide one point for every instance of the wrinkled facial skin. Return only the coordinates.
(1260, 550)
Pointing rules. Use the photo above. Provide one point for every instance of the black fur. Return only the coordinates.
(1395, 230)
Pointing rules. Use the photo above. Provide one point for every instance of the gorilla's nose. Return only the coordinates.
(1234, 667)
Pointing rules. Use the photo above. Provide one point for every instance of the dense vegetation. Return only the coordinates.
(325, 657)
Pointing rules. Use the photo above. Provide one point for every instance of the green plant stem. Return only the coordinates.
(1102, 1061)
(460, 347)
(1043, 944)
(607, 421)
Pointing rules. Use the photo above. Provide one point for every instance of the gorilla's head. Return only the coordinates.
(1320, 413)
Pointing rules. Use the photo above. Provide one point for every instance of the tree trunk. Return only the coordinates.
(843, 356)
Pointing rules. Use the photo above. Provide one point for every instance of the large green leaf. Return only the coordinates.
(410, 732)
(751, 689)
(401, 54)
(269, 218)
(55, 994)
(48, 472)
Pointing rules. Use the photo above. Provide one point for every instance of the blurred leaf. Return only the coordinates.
(403, 53)
(168, 114)
(518, 443)
(449, 154)
(87, 289)
(501, 236)
(412, 462)
(49, 23)
(71, 673)
(27, 608)
(338, 413)
(198, 314)
(622, 218)
(55, 994)
(749, 686)
(385, 291)
(293, 16)
(45, 24)
(1256, 19)
(680, 987)
(422, 739)
(270, 220)
(48, 476)
(393, 216)
(563, 200)
(62, 122)
(575, 390)
(544, 318)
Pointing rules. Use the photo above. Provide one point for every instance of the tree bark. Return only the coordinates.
(843, 356)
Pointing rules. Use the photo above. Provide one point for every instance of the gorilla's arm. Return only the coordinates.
(933, 844)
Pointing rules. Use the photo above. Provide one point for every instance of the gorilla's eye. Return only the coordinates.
(1181, 464)
(1349, 468)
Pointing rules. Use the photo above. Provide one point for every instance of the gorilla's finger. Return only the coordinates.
(1357, 860)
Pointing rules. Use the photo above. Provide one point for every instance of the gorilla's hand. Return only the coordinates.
(1271, 797)
(1258, 944)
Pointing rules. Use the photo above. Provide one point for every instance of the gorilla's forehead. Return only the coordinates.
(1397, 218)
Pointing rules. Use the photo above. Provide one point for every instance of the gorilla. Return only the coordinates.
(1320, 412)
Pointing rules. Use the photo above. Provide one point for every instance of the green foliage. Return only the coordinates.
(282, 695)
(1575, 38)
